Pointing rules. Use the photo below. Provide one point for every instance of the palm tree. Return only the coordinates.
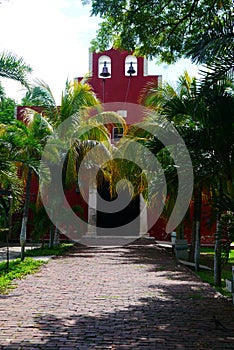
(206, 123)
(27, 139)
(8, 174)
(215, 50)
(76, 97)
(177, 105)
(86, 134)
(219, 121)
(11, 67)
(78, 103)
(11, 187)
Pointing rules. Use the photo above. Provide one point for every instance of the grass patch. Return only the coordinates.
(46, 251)
(17, 270)
(207, 258)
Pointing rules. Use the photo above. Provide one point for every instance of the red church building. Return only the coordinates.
(118, 78)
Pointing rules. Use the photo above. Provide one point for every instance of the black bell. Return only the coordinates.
(131, 70)
(105, 72)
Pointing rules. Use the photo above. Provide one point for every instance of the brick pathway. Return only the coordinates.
(114, 298)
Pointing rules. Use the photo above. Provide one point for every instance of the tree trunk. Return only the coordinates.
(56, 237)
(197, 246)
(180, 231)
(217, 255)
(23, 233)
(194, 253)
(230, 187)
(193, 240)
(51, 236)
(9, 232)
(198, 208)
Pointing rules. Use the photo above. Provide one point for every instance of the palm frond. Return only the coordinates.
(13, 67)
(217, 41)
(76, 96)
(221, 69)
(40, 95)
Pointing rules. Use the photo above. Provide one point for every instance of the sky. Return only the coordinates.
(53, 37)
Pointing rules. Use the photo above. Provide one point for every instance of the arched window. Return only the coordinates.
(130, 65)
(104, 67)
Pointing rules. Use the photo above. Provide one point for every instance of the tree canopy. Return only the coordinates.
(164, 29)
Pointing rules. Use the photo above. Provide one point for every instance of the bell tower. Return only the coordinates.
(119, 77)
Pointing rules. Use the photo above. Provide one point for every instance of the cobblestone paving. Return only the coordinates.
(132, 297)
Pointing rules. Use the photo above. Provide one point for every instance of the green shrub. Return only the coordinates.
(17, 269)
